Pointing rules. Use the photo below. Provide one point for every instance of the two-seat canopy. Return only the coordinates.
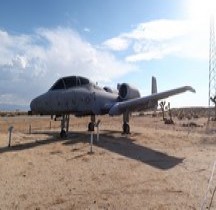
(69, 82)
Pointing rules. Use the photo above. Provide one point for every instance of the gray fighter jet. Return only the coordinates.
(80, 97)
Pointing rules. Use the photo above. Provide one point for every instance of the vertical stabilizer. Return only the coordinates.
(154, 103)
(154, 85)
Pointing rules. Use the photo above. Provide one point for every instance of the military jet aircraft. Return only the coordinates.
(79, 96)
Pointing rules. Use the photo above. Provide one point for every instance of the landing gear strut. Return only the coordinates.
(64, 125)
(126, 126)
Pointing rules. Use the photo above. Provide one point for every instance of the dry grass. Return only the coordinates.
(158, 166)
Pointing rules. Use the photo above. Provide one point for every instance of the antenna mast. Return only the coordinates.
(212, 66)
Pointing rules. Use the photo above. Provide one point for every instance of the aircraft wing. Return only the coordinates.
(145, 102)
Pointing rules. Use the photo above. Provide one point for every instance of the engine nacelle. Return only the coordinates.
(127, 92)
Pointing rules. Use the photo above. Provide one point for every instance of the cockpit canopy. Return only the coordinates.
(69, 82)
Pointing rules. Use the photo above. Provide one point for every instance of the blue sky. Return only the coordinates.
(108, 41)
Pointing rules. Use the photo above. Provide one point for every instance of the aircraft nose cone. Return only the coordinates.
(33, 105)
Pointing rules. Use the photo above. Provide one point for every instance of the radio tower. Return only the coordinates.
(212, 67)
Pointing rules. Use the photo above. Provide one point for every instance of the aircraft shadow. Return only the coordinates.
(127, 147)
(109, 140)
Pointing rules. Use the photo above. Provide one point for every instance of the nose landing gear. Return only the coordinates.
(91, 125)
(64, 125)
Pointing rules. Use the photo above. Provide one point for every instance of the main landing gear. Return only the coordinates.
(66, 118)
(64, 125)
(126, 126)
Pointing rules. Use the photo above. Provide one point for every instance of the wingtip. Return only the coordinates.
(191, 89)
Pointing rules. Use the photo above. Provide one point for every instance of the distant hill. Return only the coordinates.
(11, 107)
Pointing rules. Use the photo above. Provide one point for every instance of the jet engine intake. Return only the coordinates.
(128, 92)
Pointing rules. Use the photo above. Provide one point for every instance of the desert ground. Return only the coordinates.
(157, 166)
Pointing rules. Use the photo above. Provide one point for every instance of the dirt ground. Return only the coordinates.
(158, 166)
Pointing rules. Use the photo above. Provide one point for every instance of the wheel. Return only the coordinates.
(63, 134)
(126, 128)
(91, 126)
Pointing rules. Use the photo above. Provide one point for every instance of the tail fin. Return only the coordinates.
(154, 90)
(154, 85)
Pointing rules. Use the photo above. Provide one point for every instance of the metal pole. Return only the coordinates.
(98, 133)
(212, 65)
(10, 132)
(91, 142)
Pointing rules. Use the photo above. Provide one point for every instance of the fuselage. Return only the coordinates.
(74, 95)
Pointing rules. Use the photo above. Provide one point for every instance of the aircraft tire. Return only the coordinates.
(91, 126)
(63, 134)
(126, 128)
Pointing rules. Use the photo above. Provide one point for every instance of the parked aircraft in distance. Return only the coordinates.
(79, 96)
